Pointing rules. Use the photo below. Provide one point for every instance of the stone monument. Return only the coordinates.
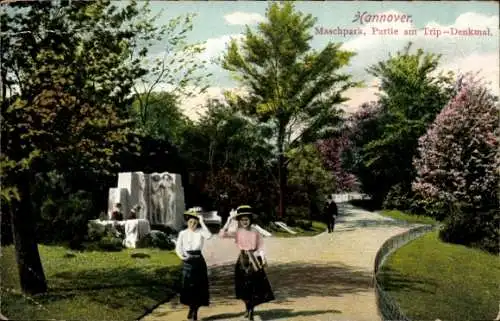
(159, 197)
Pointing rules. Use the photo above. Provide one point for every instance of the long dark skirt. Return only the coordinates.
(250, 285)
(194, 288)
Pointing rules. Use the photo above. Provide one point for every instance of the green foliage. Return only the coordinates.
(157, 239)
(306, 168)
(411, 97)
(162, 120)
(65, 219)
(230, 153)
(310, 182)
(471, 227)
(104, 237)
(398, 198)
(109, 243)
(294, 88)
(67, 77)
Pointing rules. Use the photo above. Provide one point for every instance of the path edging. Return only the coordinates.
(387, 307)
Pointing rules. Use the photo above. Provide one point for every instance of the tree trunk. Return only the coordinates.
(31, 274)
(282, 172)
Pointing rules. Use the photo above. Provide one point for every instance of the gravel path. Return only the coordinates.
(322, 278)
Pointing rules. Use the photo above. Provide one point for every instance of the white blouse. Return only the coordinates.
(191, 241)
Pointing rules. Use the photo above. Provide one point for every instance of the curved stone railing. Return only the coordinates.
(387, 306)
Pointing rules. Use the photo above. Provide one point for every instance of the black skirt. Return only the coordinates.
(194, 287)
(251, 284)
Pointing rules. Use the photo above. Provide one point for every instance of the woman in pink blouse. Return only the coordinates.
(251, 283)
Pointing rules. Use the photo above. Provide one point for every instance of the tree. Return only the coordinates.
(67, 76)
(335, 153)
(411, 96)
(310, 176)
(178, 71)
(163, 119)
(457, 158)
(458, 167)
(290, 85)
(233, 153)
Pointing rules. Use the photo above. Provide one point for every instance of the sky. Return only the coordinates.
(217, 22)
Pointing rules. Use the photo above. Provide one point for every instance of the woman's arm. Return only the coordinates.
(224, 233)
(205, 232)
(179, 250)
(260, 247)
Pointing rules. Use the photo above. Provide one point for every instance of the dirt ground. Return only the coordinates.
(323, 278)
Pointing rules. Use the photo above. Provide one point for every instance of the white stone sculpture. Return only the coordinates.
(159, 197)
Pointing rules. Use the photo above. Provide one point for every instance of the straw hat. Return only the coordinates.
(193, 212)
(244, 210)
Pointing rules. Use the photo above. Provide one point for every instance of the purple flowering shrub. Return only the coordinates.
(458, 165)
(332, 151)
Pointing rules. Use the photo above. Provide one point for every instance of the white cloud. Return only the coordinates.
(486, 64)
(243, 18)
(194, 107)
(358, 96)
(214, 47)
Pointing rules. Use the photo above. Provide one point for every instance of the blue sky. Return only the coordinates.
(217, 22)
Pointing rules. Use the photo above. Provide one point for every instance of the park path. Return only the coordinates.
(322, 278)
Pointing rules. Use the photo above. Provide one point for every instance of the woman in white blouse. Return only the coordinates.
(194, 290)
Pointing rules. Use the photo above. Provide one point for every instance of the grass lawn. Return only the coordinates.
(317, 228)
(398, 215)
(91, 285)
(431, 279)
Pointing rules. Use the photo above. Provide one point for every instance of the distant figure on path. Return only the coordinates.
(223, 210)
(251, 283)
(330, 213)
(195, 288)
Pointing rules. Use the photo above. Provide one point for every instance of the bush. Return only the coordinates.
(469, 227)
(163, 228)
(457, 158)
(104, 237)
(110, 243)
(157, 239)
(65, 219)
(97, 231)
(398, 198)
(434, 209)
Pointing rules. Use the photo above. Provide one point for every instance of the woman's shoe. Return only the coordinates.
(190, 314)
(250, 315)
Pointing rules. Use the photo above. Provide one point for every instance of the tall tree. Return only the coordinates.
(67, 76)
(290, 85)
(412, 93)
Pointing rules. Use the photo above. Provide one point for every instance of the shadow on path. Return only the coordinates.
(272, 314)
(296, 280)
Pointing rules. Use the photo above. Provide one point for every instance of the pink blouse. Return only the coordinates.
(244, 239)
